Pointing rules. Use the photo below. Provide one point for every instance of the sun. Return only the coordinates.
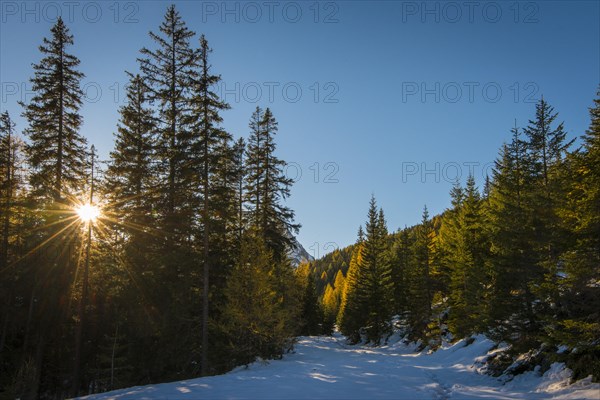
(88, 212)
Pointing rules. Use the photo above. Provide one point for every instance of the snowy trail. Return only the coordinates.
(325, 368)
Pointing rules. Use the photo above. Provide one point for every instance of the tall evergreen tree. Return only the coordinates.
(129, 179)
(513, 268)
(367, 301)
(239, 176)
(420, 289)
(256, 319)
(168, 71)
(352, 309)
(7, 180)
(57, 150)
(212, 158)
(546, 150)
(267, 187)
(57, 159)
(468, 260)
(578, 323)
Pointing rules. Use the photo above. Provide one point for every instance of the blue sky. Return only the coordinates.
(393, 98)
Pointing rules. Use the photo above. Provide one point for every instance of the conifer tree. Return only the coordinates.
(312, 314)
(401, 262)
(255, 318)
(546, 148)
(378, 274)
(420, 280)
(468, 261)
(513, 268)
(267, 186)
(368, 295)
(352, 309)
(239, 176)
(56, 150)
(212, 160)
(57, 160)
(12, 191)
(168, 71)
(7, 179)
(129, 179)
(578, 322)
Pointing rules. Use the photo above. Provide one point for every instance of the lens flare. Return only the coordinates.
(88, 212)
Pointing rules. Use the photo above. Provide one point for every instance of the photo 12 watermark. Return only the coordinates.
(317, 249)
(450, 172)
(453, 12)
(26, 12)
(252, 12)
(317, 172)
(268, 92)
(468, 92)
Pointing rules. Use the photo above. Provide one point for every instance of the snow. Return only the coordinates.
(327, 368)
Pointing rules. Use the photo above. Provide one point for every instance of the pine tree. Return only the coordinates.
(401, 250)
(312, 314)
(12, 191)
(168, 72)
(267, 186)
(420, 280)
(255, 318)
(7, 179)
(57, 160)
(468, 260)
(57, 150)
(367, 301)
(352, 309)
(129, 178)
(578, 323)
(513, 268)
(239, 176)
(212, 159)
(546, 150)
(379, 286)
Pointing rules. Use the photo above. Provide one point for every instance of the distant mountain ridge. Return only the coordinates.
(298, 253)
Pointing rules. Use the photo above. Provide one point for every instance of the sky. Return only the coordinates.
(391, 98)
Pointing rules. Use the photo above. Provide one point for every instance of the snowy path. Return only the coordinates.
(323, 368)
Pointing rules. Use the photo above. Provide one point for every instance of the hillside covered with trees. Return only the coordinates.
(518, 260)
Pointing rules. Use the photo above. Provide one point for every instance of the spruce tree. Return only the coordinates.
(312, 314)
(468, 260)
(420, 289)
(513, 268)
(578, 322)
(378, 271)
(56, 149)
(267, 187)
(352, 309)
(57, 160)
(168, 71)
(7, 180)
(129, 179)
(401, 261)
(546, 148)
(255, 318)
(212, 161)
(239, 176)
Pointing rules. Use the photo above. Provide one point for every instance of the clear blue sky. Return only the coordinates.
(395, 95)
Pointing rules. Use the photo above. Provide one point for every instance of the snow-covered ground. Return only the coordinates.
(326, 368)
